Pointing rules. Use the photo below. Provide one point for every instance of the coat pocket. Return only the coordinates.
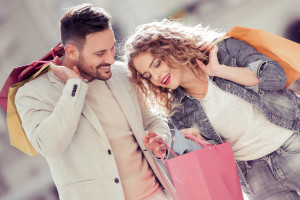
(86, 189)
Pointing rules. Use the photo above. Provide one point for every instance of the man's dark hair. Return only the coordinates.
(80, 21)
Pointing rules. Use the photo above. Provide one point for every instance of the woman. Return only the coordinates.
(234, 94)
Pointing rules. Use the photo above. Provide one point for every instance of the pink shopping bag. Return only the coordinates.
(209, 173)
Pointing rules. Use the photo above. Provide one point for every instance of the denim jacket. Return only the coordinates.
(279, 105)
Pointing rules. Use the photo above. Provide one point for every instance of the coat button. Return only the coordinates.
(117, 180)
(228, 86)
(189, 122)
(273, 117)
(253, 98)
(109, 151)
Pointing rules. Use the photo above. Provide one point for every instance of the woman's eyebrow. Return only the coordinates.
(149, 65)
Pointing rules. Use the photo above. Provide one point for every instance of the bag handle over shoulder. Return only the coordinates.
(216, 42)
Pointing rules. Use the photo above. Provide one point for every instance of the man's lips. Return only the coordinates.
(166, 79)
(105, 68)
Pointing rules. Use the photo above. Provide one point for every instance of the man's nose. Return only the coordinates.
(110, 58)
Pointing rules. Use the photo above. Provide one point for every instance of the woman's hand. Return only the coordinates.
(213, 66)
(195, 133)
(154, 143)
(240, 75)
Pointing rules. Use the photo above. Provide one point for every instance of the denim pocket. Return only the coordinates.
(292, 145)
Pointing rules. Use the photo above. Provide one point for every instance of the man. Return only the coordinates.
(85, 118)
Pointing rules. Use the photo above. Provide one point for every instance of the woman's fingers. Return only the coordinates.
(213, 54)
(204, 47)
(191, 131)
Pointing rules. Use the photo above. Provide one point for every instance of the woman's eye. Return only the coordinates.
(157, 63)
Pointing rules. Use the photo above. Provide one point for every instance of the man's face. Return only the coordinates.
(96, 56)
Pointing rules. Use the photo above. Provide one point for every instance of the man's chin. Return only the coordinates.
(105, 76)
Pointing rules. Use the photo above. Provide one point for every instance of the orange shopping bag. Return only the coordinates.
(209, 173)
(282, 50)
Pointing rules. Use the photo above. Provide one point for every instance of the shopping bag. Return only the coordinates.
(209, 173)
(282, 50)
(21, 73)
(17, 78)
(17, 134)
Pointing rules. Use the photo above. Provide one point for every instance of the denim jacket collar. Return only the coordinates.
(179, 95)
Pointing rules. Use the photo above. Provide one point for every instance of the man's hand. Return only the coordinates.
(57, 60)
(194, 132)
(64, 73)
(154, 143)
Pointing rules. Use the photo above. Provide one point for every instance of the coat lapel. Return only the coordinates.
(125, 100)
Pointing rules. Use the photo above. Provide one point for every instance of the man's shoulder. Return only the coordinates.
(39, 83)
(119, 68)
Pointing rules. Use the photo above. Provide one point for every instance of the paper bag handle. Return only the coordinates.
(198, 140)
(189, 135)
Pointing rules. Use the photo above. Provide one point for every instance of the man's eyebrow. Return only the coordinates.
(102, 51)
(149, 66)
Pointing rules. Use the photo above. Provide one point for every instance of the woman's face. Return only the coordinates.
(157, 71)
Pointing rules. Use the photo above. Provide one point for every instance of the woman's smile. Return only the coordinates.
(166, 80)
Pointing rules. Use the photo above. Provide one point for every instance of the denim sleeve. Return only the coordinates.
(269, 72)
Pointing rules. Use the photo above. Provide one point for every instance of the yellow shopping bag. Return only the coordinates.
(17, 134)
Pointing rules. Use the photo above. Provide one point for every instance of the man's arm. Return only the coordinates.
(51, 129)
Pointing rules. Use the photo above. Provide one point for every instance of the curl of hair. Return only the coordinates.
(173, 42)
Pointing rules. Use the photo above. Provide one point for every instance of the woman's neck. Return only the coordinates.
(195, 86)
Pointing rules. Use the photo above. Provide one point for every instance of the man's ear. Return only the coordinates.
(71, 51)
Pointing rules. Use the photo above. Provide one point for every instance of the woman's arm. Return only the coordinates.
(243, 76)
(266, 74)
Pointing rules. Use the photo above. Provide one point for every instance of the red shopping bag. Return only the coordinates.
(21, 73)
(209, 173)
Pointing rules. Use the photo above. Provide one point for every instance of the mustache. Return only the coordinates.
(103, 65)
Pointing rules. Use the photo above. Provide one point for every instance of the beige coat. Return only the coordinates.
(63, 128)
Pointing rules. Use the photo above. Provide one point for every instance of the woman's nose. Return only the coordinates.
(156, 75)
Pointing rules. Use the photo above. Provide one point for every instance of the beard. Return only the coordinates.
(87, 70)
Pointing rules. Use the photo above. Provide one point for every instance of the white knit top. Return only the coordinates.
(251, 134)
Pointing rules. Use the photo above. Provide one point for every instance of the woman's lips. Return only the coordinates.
(166, 79)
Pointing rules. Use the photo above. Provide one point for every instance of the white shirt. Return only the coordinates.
(251, 134)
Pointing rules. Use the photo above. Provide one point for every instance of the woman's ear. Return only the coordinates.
(71, 51)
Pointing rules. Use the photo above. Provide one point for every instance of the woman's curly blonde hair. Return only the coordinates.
(176, 44)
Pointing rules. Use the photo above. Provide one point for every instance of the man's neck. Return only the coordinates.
(70, 64)
(67, 63)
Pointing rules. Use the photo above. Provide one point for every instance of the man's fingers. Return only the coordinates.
(76, 70)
